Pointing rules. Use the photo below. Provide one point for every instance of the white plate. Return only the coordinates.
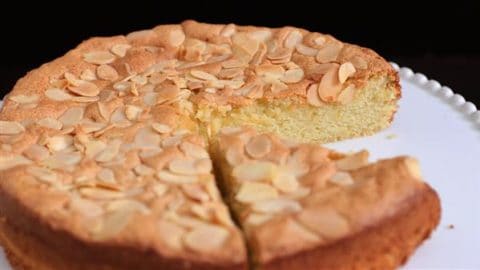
(443, 132)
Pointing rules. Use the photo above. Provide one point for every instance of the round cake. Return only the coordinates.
(106, 156)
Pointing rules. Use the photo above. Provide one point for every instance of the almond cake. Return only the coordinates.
(117, 154)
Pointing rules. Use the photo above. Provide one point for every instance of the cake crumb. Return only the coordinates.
(450, 226)
(391, 136)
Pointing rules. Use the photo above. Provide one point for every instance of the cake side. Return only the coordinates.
(295, 201)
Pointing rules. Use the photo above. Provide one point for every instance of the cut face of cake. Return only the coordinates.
(104, 161)
(303, 206)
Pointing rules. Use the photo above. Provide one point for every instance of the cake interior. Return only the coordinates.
(370, 111)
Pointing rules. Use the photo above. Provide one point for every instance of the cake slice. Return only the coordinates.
(303, 206)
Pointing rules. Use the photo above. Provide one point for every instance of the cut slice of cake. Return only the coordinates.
(303, 206)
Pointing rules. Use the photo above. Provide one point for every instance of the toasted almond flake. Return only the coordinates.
(175, 178)
(342, 179)
(72, 79)
(127, 205)
(193, 150)
(109, 152)
(324, 221)
(60, 160)
(255, 219)
(279, 205)
(353, 162)
(320, 40)
(176, 37)
(260, 35)
(345, 71)
(278, 87)
(299, 193)
(228, 30)
(57, 94)
(85, 99)
(235, 157)
(254, 171)
(106, 175)
(183, 166)
(107, 72)
(92, 148)
(85, 207)
(99, 57)
(233, 63)
(25, 99)
(312, 96)
(85, 88)
(132, 112)
(112, 224)
(10, 161)
(72, 116)
(347, 94)
(58, 143)
(10, 128)
(205, 239)
(329, 53)
(100, 193)
(329, 87)
(293, 75)
(413, 167)
(88, 75)
(305, 50)
(120, 49)
(285, 181)
(146, 138)
(160, 189)
(196, 192)
(293, 38)
(36, 152)
(162, 128)
(172, 234)
(251, 192)
(259, 146)
(230, 130)
(203, 75)
(43, 174)
(359, 62)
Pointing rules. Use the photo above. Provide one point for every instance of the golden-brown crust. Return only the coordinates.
(385, 245)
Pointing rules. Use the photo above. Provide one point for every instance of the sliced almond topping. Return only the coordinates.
(100, 193)
(183, 166)
(99, 57)
(329, 87)
(353, 162)
(206, 238)
(162, 128)
(413, 167)
(279, 205)
(58, 143)
(120, 49)
(342, 179)
(57, 94)
(255, 219)
(92, 148)
(43, 174)
(86, 88)
(251, 192)
(329, 53)
(24, 99)
(10, 128)
(312, 96)
(8, 162)
(347, 94)
(235, 157)
(107, 72)
(325, 221)
(106, 175)
(175, 178)
(160, 189)
(320, 40)
(36, 152)
(293, 75)
(254, 171)
(85, 207)
(109, 152)
(293, 38)
(88, 75)
(202, 75)
(193, 150)
(305, 50)
(176, 37)
(127, 205)
(359, 62)
(233, 63)
(285, 181)
(132, 112)
(172, 234)
(259, 146)
(345, 71)
(196, 192)
(61, 159)
(112, 224)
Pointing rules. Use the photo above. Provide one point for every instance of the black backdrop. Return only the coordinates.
(438, 39)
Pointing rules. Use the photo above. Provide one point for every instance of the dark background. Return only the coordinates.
(440, 40)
